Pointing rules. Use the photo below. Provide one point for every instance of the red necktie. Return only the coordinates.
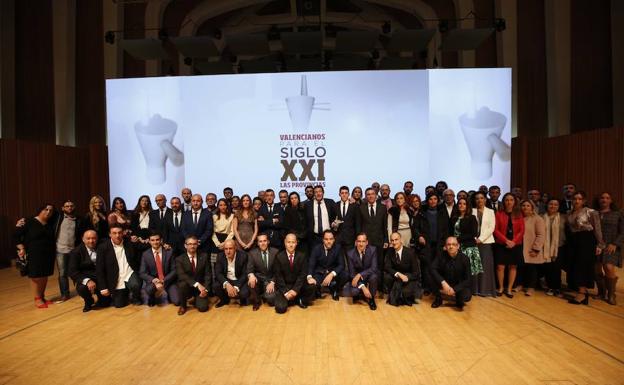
(290, 260)
(193, 263)
(159, 268)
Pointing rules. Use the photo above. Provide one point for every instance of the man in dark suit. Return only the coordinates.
(327, 267)
(363, 271)
(373, 221)
(260, 262)
(493, 202)
(447, 210)
(320, 213)
(81, 269)
(402, 273)
(345, 226)
(157, 216)
(565, 204)
(271, 219)
(172, 228)
(198, 222)
(289, 272)
(231, 275)
(194, 276)
(451, 273)
(116, 269)
(158, 272)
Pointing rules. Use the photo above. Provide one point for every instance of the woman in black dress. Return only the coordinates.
(36, 235)
(295, 220)
(96, 219)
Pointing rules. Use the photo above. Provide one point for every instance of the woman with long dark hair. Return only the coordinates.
(36, 236)
(356, 195)
(585, 244)
(222, 222)
(485, 285)
(139, 223)
(465, 229)
(245, 224)
(508, 234)
(612, 226)
(119, 215)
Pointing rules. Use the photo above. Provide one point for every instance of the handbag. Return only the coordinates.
(22, 266)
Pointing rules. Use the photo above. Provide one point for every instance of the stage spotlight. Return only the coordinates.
(274, 33)
(217, 34)
(188, 61)
(500, 25)
(163, 35)
(109, 37)
(386, 28)
(443, 26)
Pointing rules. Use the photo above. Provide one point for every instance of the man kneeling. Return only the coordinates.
(402, 273)
(451, 272)
(230, 275)
(289, 272)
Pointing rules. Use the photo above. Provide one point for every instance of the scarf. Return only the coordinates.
(551, 243)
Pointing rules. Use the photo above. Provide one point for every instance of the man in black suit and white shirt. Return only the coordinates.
(447, 210)
(320, 213)
(194, 276)
(158, 272)
(402, 273)
(260, 262)
(198, 222)
(117, 269)
(81, 269)
(373, 221)
(157, 216)
(272, 217)
(231, 275)
(346, 213)
(172, 228)
(289, 271)
(187, 194)
(493, 202)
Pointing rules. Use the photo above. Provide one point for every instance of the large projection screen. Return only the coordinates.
(287, 130)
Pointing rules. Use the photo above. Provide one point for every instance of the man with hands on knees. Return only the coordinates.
(260, 261)
(363, 271)
(230, 275)
(451, 272)
(194, 276)
(289, 271)
(326, 266)
(81, 269)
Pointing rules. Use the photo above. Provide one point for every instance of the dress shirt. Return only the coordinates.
(324, 215)
(93, 257)
(125, 271)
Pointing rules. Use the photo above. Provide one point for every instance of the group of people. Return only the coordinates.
(366, 245)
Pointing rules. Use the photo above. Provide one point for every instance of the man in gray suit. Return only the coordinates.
(158, 272)
(259, 272)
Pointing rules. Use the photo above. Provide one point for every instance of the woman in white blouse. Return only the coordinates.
(485, 284)
(222, 221)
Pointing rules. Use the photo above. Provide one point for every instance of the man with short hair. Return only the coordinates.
(321, 213)
(186, 198)
(272, 219)
(289, 272)
(211, 203)
(194, 276)
(385, 196)
(483, 189)
(447, 210)
(373, 221)
(565, 204)
(158, 272)
(517, 192)
(230, 275)
(429, 190)
(283, 199)
(346, 221)
(172, 233)
(363, 271)
(309, 193)
(198, 222)
(440, 187)
(451, 273)
(157, 216)
(82, 270)
(67, 238)
(402, 273)
(408, 188)
(376, 186)
(116, 269)
(260, 262)
(493, 203)
(536, 197)
(228, 193)
(326, 266)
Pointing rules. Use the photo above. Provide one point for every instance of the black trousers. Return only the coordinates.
(381, 257)
(399, 292)
(530, 275)
(336, 284)
(425, 257)
(306, 295)
(133, 288)
(243, 292)
(552, 270)
(187, 291)
(461, 296)
(83, 291)
(259, 292)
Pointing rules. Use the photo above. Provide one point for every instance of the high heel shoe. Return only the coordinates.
(42, 305)
(584, 301)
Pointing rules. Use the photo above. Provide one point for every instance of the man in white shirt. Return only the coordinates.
(231, 275)
(321, 213)
(345, 220)
(402, 270)
(117, 266)
(81, 269)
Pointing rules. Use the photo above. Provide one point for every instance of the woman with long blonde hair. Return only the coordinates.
(96, 218)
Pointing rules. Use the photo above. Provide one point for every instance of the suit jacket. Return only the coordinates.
(563, 206)
(419, 224)
(148, 270)
(155, 223)
(445, 225)
(286, 278)
(455, 271)
(203, 270)
(274, 230)
(408, 265)
(490, 205)
(319, 263)
(330, 205)
(107, 269)
(256, 267)
(240, 267)
(80, 266)
(376, 228)
(367, 266)
(172, 235)
(500, 229)
(203, 230)
(346, 231)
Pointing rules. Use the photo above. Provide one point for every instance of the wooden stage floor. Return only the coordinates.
(524, 340)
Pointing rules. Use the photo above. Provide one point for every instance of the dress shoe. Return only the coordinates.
(86, 308)
(181, 310)
(256, 306)
(335, 296)
(508, 294)
(221, 303)
(243, 302)
(151, 302)
(62, 299)
(371, 304)
(301, 304)
(584, 301)
(317, 294)
(356, 299)
(437, 302)
(459, 307)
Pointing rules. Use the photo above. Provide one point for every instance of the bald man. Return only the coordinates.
(198, 222)
(231, 275)
(157, 217)
(81, 269)
(187, 194)
(289, 272)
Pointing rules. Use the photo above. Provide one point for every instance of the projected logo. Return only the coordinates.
(302, 155)
(482, 131)
(156, 141)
